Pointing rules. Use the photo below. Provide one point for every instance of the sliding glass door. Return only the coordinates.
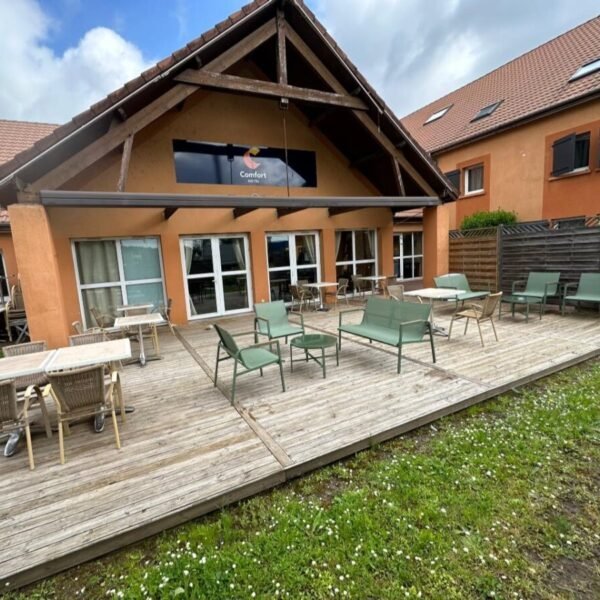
(113, 272)
(292, 257)
(217, 275)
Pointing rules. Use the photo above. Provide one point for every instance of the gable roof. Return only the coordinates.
(529, 86)
(68, 139)
(17, 136)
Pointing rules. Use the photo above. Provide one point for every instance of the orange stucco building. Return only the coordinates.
(254, 157)
(525, 137)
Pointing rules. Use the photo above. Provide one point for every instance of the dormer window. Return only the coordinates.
(486, 111)
(438, 114)
(587, 69)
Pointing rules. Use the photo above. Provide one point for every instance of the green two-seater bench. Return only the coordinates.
(588, 290)
(391, 322)
(460, 283)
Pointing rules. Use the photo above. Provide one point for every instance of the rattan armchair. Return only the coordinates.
(13, 420)
(24, 381)
(15, 315)
(340, 292)
(480, 313)
(360, 285)
(396, 291)
(81, 393)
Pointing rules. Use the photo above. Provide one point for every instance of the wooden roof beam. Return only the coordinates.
(255, 87)
(367, 158)
(340, 211)
(284, 212)
(398, 177)
(241, 211)
(169, 212)
(115, 136)
(365, 119)
(127, 146)
(282, 70)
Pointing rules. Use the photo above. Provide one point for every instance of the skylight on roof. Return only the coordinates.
(586, 69)
(486, 111)
(438, 114)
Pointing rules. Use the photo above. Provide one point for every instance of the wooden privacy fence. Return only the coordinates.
(570, 249)
(475, 253)
(496, 257)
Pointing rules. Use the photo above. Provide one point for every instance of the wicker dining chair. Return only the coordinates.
(89, 337)
(81, 393)
(14, 314)
(479, 313)
(165, 312)
(97, 337)
(340, 292)
(310, 296)
(396, 291)
(360, 285)
(11, 419)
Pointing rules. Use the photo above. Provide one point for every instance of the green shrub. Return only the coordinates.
(483, 219)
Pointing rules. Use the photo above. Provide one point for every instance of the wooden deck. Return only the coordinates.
(187, 450)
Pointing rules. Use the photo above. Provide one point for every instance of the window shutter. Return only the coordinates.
(454, 177)
(563, 155)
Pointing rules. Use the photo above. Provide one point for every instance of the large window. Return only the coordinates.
(292, 257)
(474, 179)
(217, 271)
(408, 255)
(114, 272)
(231, 164)
(570, 154)
(356, 253)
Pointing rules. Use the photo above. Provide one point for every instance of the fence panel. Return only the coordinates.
(475, 253)
(571, 251)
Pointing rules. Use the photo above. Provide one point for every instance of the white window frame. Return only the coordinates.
(400, 258)
(122, 283)
(6, 298)
(217, 273)
(293, 266)
(362, 261)
(467, 178)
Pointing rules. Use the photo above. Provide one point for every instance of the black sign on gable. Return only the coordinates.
(231, 164)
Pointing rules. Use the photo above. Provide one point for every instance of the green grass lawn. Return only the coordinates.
(501, 501)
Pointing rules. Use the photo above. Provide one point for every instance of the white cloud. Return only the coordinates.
(415, 51)
(37, 84)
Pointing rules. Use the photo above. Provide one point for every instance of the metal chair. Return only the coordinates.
(251, 358)
(12, 420)
(340, 291)
(272, 320)
(480, 313)
(81, 393)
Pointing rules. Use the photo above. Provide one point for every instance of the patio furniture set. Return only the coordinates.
(384, 320)
(82, 379)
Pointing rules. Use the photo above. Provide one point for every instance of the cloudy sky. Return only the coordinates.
(60, 56)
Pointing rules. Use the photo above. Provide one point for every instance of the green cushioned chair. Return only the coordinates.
(539, 285)
(272, 320)
(588, 290)
(251, 358)
(391, 322)
(460, 283)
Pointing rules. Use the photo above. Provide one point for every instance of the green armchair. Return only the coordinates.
(588, 290)
(539, 285)
(251, 358)
(272, 319)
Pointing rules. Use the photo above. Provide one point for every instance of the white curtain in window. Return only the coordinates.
(309, 243)
(371, 243)
(97, 262)
(338, 243)
(238, 248)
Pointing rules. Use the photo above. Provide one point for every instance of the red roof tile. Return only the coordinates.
(535, 82)
(16, 136)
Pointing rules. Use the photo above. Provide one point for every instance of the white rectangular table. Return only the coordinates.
(152, 319)
(320, 286)
(432, 294)
(26, 364)
(86, 355)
